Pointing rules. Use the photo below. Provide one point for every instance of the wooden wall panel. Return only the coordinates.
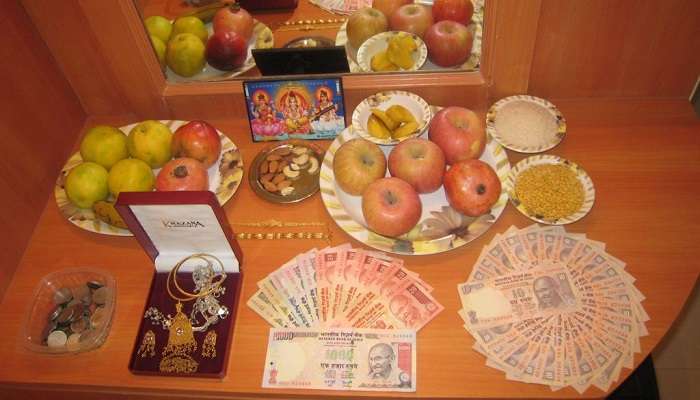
(39, 122)
(621, 48)
(102, 49)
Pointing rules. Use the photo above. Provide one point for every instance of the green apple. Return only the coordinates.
(185, 54)
(104, 145)
(159, 27)
(191, 25)
(86, 184)
(150, 142)
(130, 175)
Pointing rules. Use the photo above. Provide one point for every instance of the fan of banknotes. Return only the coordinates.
(347, 288)
(344, 7)
(550, 307)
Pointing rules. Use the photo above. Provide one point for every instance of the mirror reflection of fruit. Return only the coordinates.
(400, 50)
(159, 27)
(130, 175)
(105, 212)
(387, 7)
(356, 164)
(185, 54)
(380, 62)
(191, 25)
(234, 19)
(182, 174)
(413, 18)
(226, 50)
(363, 24)
(198, 140)
(391, 207)
(150, 141)
(454, 10)
(472, 187)
(86, 184)
(449, 43)
(104, 145)
(160, 49)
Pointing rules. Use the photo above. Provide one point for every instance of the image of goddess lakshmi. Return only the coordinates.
(295, 109)
(264, 121)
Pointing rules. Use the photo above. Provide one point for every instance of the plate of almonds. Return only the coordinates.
(286, 172)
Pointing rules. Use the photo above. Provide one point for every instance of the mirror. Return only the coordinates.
(307, 23)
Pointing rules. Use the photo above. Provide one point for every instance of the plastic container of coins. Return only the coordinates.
(72, 311)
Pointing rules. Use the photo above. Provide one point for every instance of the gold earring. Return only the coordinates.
(209, 345)
(148, 345)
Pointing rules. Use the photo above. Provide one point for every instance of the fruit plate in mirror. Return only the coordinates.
(369, 125)
(379, 43)
(286, 172)
(440, 227)
(262, 38)
(550, 188)
(224, 179)
(472, 63)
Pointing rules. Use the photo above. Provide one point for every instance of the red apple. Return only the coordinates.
(419, 162)
(414, 18)
(453, 10)
(472, 187)
(391, 207)
(198, 140)
(363, 24)
(356, 164)
(234, 19)
(387, 7)
(226, 50)
(449, 43)
(182, 174)
(459, 132)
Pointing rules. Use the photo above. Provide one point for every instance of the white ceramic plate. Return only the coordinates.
(586, 182)
(380, 42)
(383, 100)
(261, 39)
(224, 179)
(440, 227)
(549, 108)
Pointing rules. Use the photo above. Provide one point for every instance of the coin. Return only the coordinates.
(98, 318)
(50, 327)
(57, 339)
(79, 325)
(65, 315)
(73, 342)
(81, 293)
(62, 295)
(55, 313)
(101, 295)
(94, 285)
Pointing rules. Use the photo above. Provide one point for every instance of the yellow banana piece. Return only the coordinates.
(105, 211)
(400, 113)
(404, 130)
(377, 128)
(388, 122)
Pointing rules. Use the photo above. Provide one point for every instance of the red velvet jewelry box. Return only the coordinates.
(171, 226)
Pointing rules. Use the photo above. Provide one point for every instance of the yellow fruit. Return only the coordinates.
(399, 55)
(388, 122)
(380, 62)
(105, 211)
(191, 25)
(185, 54)
(159, 27)
(377, 128)
(150, 141)
(104, 145)
(404, 130)
(406, 42)
(400, 113)
(130, 175)
(160, 48)
(86, 184)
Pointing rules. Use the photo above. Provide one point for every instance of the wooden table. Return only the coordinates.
(643, 157)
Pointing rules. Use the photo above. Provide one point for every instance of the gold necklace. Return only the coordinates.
(181, 342)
